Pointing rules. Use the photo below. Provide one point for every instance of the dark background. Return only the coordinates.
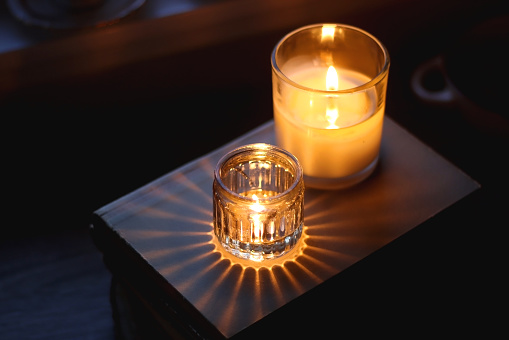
(89, 115)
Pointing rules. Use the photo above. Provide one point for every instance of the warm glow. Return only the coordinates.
(257, 206)
(257, 235)
(328, 32)
(258, 229)
(332, 116)
(331, 83)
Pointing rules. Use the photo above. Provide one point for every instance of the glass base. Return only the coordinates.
(262, 251)
(341, 182)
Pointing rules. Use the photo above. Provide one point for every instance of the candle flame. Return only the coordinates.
(257, 206)
(331, 83)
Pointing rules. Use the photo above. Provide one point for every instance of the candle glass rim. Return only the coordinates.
(372, 82)
(299, 173)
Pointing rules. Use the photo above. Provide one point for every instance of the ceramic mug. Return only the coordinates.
(472, 76)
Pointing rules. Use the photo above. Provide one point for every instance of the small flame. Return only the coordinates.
(331, 81)
(257, 206)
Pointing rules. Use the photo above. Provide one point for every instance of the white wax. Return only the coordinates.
(303, 127)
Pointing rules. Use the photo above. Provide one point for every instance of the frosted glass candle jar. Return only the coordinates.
(258, 196)
(329, 88)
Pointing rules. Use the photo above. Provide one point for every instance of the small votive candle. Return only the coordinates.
(329, 87)
(258, 195)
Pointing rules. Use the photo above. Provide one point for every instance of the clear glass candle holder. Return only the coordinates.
(258, 195)
(329, 88)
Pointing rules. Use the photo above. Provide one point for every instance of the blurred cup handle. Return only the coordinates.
(430, 84)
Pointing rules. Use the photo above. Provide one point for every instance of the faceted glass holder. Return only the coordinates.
(258, 194)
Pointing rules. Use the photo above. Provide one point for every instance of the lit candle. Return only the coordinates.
(329, 85)
(258, 202)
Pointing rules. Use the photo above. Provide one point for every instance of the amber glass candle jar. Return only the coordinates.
(258, 195)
